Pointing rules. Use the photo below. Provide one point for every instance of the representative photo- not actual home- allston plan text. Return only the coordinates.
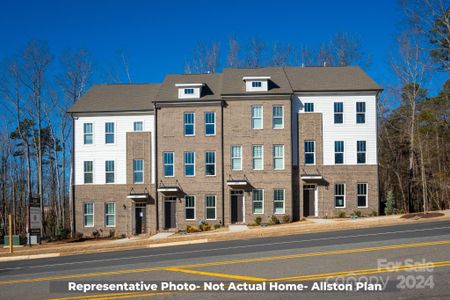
(225, 148)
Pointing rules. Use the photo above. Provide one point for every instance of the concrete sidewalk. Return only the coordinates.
(223, 234)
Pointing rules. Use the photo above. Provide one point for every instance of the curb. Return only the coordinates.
(27, 257)
(192, 242)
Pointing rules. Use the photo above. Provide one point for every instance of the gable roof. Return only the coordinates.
(233, 84)
(210, 91)
(116, 98)
(323, 79)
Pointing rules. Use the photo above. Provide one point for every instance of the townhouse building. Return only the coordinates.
(289, 142)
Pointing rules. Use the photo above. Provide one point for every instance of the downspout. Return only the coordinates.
(156, 168)
(223, 172)
(72, 188)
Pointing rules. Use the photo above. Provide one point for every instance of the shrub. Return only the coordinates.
(191, 229)
(341, 214)
(389, 205)
(217, 226)
(258, 220)
(112, 233)
(357, 213)
(61, 232)
(286, 219)
(205, 227)
(123, 236)
(374, 213)
(78, 236)
(274, 220)
(97, 233)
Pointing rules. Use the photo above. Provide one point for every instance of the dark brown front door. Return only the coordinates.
(309, 200)
(237, 202)
(139, 216)
(169, 213)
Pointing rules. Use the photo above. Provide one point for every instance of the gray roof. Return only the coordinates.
(211, 90)
(232, 83)
(117, 97)
(330, 79)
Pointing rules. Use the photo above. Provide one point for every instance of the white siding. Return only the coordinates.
(349, 131)
(99, 152)
(195, 95)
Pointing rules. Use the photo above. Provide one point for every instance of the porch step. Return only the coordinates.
(238, 228)
(161, 235)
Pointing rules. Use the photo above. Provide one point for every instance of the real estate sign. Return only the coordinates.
(35, 217)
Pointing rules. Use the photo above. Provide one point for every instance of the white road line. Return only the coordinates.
(231, 247)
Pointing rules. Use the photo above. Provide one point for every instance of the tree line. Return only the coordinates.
(37, 87)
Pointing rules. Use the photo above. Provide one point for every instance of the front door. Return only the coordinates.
(169, 212)
(237, 204)
(139, 217)
(309, 200)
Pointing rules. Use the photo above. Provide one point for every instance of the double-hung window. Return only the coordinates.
(278, 117)
(88, 134)
(361, 194)
(109, 171)
(339, 195)
(168, 162)
(88, 214)
(210, 123)
(338, 112)
(278, 157)
(361, 152)
(189, 123)
(309, 107)
(110, 214)
(138, 171)
(189, 163)
(109, 133)
(278, 201)
(258, 157)
(88, 172)
(257, 117)
(258, 201)
(236, 157)
(210, 207)
(360, 112)
(190, 207)
(310, 155)
(338, 152)
(210, 163)
(138, 126)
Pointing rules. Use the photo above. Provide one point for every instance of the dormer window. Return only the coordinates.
(256, 83)
(189, 90)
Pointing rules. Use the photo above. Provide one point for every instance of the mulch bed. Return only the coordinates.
(422, 215)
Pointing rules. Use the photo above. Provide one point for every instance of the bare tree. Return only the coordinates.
(233, 53)
(347, 50)
(280, 55)
(205, 59)
(304, 56)
(255, 50)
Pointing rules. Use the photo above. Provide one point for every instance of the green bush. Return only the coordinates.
(112, 233)
(191, 229)
(374, 213)
(274, 220)
(341, 214)
(217, 226)
(61, 232)
(357, 213)
(258, 220)
(390, 202)
(286, 219)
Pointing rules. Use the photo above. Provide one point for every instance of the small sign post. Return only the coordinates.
(10, 234)
(35, 219)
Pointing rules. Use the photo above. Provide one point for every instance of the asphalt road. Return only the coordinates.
(406, 261)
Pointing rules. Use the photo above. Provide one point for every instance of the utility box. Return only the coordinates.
(15, 240)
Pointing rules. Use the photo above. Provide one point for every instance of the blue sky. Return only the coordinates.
(159, 36)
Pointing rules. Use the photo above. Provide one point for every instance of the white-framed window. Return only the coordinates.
(109, 171)
(339, 195)
(189, 207)
(189, 163)
(257, 117)
(339, 152)
(88, 171)
(360, 112)
(189, 123)
(168, 163)
(88, 134)
(211, 207)
(138, 126)
(361, 152)
(258, 201)
(278, 117)
(189, 91)
(210, 123)
(88, 214)
(361, 194)
(278, 157)
(278, 201)
(338, 112)
(256, 84)
(309, 107)
(236, 157)
(258, 157)
(110, 214)
(310, 153)
(210, 163)
(138, 171)
(109, 133)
